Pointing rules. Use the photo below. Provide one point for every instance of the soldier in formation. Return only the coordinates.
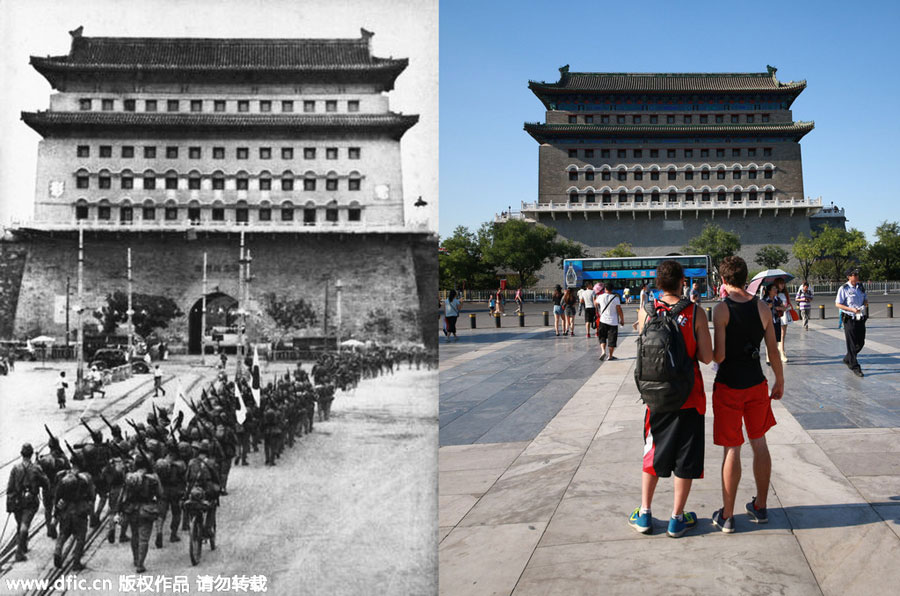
(141, 478)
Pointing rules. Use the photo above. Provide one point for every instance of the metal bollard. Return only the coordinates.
(496, 320)
(821, 311)
(709, 312)
(546, 319)
(472, 320)
(890, 310)
(521, 319)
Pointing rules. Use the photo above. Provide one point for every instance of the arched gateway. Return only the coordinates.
(221, 315)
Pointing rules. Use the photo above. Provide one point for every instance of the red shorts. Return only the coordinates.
(730, 406)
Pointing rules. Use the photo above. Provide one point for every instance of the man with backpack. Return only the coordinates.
(741, 392)
(74, 503)
(674, 338)
(25, 480)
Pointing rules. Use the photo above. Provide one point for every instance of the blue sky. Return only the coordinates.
(848, 53)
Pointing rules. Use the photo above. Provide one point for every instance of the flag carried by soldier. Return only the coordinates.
(254, 373)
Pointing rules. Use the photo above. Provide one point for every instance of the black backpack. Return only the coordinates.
(664, 372)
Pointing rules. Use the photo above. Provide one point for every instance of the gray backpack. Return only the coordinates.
(664, 372)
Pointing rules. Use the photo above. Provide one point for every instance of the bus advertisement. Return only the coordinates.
(619, 273)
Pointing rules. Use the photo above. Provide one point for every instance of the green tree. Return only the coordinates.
(460, 262)
(623, 249)
(883, 256)
(523, 248)
(771, 256)
(151, 312)
(807, 253)
(715, 242)
(288, 314)
(839, 249)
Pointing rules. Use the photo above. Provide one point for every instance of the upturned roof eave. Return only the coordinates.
(541, 132)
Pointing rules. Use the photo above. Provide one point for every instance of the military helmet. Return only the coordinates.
(77, 459)
(151, 419)
(195, 445)
(141, 461)
(194, 434)
(184, 449)
(205, 446)
(27, 450)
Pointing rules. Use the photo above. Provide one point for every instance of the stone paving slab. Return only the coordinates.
(834, 501)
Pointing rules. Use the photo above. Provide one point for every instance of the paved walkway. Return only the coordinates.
(543, 511)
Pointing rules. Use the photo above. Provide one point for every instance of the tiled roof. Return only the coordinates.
(393, 124)
(541, 132)
(224, 53)
(620, 82)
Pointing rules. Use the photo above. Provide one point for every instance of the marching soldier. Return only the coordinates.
(25, 480)
(114, 477)
(52, 464)
(74, 503)
(140, 505)
(203, 473)
(171, 471)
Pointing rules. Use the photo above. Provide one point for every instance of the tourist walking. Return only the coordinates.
(590, 313)
(804, 300)
(520, 302)
(501, 303)
(569, 300)
(610, 320)
(770, 297)
(492, 304)
(851, 300)
(673, 436)
(695, 293)
(741, 391)
(557, 309)
(643, 301)
(786, 317)
(451, 314)
(61, 386)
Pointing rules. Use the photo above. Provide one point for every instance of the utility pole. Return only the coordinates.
(247, 261)
(130, 312)
(241, 306)
(203, 317)
(68, 307)
(79, 332)
(338, 287)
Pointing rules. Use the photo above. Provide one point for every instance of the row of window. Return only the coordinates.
(671, 153)
(736, 174)
(671, 119)
(149, 181)
(241, 214)
(263, 106)
(672, 196)
(172, 152)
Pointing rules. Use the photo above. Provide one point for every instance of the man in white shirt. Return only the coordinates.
(586, 297)
(610, 321)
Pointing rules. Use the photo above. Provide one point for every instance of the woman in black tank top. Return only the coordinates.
(741, 368)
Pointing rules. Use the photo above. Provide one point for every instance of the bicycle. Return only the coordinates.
(195, 506)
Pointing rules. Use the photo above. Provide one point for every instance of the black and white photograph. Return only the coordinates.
(218, 292)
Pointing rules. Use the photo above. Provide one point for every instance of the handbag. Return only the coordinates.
(794, 315)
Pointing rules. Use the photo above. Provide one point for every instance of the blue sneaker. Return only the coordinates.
(677, 527)
(641, 523)
(758, 515)
(726, 525)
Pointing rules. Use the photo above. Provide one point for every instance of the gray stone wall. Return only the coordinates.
(377, 271)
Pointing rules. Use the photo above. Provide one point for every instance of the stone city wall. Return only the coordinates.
(377, 272)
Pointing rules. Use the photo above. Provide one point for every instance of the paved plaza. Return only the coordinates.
(540, 465)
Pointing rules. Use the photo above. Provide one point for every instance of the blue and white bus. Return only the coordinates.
(619, 273)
